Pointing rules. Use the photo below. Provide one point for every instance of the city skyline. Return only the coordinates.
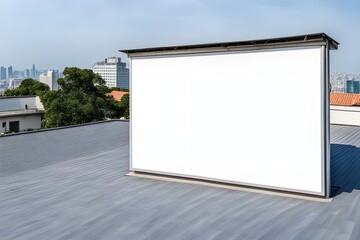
(32, 72)
(58, 34)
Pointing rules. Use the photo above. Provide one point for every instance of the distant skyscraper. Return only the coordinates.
(2, 73)
(26, 73)
(57, 75)
(356, 85)
(50, 79)
(33, 72)
(349, 86)
(9, 72)
(352, 86)
(113, 71)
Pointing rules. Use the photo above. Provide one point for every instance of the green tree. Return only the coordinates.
(102, 88)
(118, 89)
(125, 106)
(81, 98)
(28, 87)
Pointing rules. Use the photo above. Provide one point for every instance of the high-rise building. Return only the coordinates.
(356, 85)
(352, 86)
(26, 73)
(2, 73)
(113, 71)
(50, 78)
(9, 72)
(57, 75)
(349, 86)
(33, 72)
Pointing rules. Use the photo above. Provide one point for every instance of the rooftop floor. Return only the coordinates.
(21, 112)
(71, 184)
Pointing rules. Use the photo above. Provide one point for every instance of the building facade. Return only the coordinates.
(20, 113)
(33, 72)
(14, 82)
(26, 73)
(345, 109)
(352, 86)
(50, 78)
(2, 73)
(9, 72)
(114, 72)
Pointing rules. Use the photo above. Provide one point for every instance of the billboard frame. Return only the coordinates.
(320, 40)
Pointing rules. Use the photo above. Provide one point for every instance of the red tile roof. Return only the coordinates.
(117, 95)
(344, 99)
(340, 99)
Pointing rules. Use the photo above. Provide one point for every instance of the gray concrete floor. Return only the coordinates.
(71, 184)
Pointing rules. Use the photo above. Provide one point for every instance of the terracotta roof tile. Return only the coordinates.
(117, 95)
(344, 99)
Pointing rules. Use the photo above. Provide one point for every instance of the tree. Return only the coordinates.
(102, 88)
(118, 89)
(28, 87)
(125, 106)
(80, 99)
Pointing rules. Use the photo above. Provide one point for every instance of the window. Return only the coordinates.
(14, 126)
(4, 124)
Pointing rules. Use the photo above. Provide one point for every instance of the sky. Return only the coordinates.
(54, 34)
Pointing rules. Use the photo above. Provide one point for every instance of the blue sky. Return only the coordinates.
(60, 33)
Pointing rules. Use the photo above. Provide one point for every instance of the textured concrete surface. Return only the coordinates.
(71, 184)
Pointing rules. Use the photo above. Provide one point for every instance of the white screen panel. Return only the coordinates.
(247, 117)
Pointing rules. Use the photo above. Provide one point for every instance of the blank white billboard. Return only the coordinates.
(251, 118)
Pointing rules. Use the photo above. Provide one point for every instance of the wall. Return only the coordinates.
(18, 103)
(345, 115)
(26, 122)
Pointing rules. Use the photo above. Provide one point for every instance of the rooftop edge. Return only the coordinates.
(27, 96)
(309, 39)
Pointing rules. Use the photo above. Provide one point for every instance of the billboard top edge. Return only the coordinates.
(300, 40)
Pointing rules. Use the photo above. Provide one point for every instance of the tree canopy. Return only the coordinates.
(125, 106)
(28, 87)
(118, 89)
(81, 99)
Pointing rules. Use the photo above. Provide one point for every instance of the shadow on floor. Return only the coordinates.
(345, 168)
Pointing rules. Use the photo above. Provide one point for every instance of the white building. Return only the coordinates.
(20, 113)
(113, 71)
(15, 82)
(345, 109)
(50, 78)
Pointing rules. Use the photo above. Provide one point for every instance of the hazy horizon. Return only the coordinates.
(63, 33)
